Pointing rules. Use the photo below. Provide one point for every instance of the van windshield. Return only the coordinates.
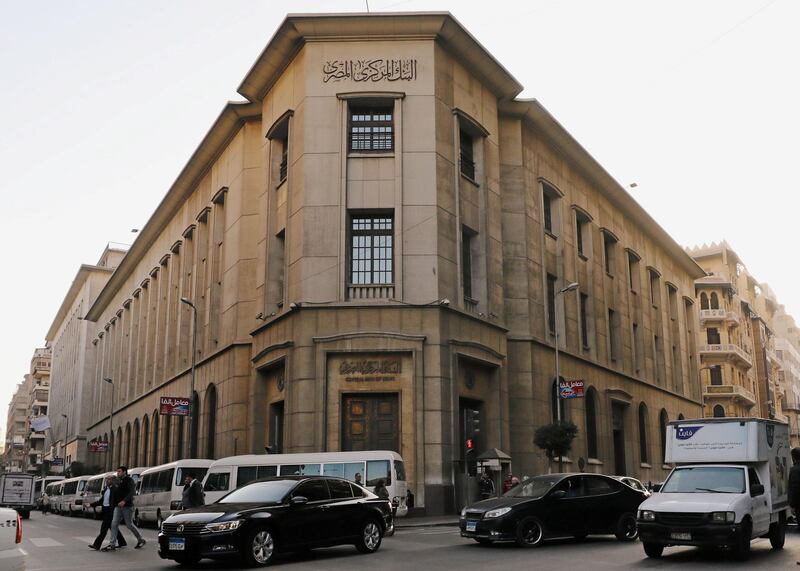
(705, 479)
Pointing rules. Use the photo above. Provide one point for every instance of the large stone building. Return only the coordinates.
(73, 365)
(376, 242)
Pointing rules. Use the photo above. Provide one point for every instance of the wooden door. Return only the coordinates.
(370, 422)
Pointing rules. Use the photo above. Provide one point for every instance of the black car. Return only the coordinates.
(278, 514)
(555, 505)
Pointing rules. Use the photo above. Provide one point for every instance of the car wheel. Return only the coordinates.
(259, 547)
(192, 559)
(653, 550)
(370, 538)
(530, 532)
(777, 534)
(741, 550)
(627, 529)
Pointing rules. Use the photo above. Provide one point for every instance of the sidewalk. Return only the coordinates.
(426, 521)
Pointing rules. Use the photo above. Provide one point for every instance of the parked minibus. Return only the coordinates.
(71, 501)
(92, 492)
(367, 467)
(55, 497)
(161, 489)
(40, 485)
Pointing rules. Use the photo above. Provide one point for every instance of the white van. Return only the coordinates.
(92, 492)
(71, 501)
(40, 485)
(227, 474)
(161, 489)
(52, 491)
(730, 485)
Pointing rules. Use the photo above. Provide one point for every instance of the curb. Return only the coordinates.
(421, 524)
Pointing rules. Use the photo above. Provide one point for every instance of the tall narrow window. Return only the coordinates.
(714, 300)
(550, 209)
(643, 434)
(585, 320)
(591, 423)
(716, 375)
(467, 154)
(636, 348)
(582, 234)
(547, 210)
(609, 247)
(655, 293)
(466, 261)
(672, 294)
(283, 168)
(613, 335)
(712, 336)
(633, 271)
(371, 248)
(703, 300)
(211, 421)
(659, 357)
(280, 252)
(551, 303)
(371, 129)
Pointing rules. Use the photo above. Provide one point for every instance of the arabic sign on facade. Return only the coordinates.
(370, 70)
(570, 389)
(98, 445)
(174, 406)
(362, 370)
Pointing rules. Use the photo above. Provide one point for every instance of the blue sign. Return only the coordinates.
(686, 432)
(57, 462)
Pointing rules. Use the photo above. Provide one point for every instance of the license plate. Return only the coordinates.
(471, 525)
(681, 536)
(177, 544)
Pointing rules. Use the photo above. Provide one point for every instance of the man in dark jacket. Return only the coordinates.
(486, 486)
(193, 495)
(794, 482)
(123, 510)
(107, 503)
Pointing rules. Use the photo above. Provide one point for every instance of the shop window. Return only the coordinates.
(371, 250)
(371, 129)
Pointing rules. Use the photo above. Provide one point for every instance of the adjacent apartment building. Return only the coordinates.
(73, 365)
(37, 385)
(380, 239)
(17, 429)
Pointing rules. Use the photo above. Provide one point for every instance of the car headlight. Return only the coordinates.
(496, 513)
(723, 517)
(646, 515)
(464, 512)
(224, 525)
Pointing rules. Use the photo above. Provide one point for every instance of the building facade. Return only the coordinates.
(376, 243)
(787, 350)
(17, 429)
(37, 385)
(73, 365)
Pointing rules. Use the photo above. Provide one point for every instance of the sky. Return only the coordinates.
(102, 103)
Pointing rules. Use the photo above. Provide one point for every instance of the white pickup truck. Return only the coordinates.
(729, 485)
(11, 557)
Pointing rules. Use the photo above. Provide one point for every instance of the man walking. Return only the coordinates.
(123, 510)
(193, 495)
(486, 486)
(106, 502)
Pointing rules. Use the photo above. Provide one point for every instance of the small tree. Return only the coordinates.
(556, 440)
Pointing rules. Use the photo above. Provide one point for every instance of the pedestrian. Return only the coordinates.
(486, 486)
(45, 503)
(106, 502)
(794, 483)
(123, 510)
(193, 495)
(358, 479)
(507, 485)
(409, 499)
(381, 491)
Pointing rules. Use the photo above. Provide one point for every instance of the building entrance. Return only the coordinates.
(370, 422)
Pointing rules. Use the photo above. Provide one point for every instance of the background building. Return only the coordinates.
(376, 242)
(70, 337)
(37, 385)
(17, 428)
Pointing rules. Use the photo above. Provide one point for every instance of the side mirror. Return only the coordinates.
(299, 501)
(558, 494)
(756, 490)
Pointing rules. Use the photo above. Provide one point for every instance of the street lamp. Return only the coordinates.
(194, 358)
(570, 287)
(111, 421)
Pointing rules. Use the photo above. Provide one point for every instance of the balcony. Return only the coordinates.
(36, 436)
(726, 352)
(361, 292)
(791, 406)
(712, 316)
(734, 392)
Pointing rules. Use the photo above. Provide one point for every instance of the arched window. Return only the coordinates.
(719, 411)
(126, 457)
(663, 419)
(211, 422)
(681, 417)
(703, 301)
(555, 401)
(167, 430)
(154, 440)
(195, 425)
(135, 445)
(714, 300)
(643, 433)
(145, 441)
(591, 423)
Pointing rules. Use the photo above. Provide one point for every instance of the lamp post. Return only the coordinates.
(194, 359)
(66, 432)
(570, 287)
(111, 422)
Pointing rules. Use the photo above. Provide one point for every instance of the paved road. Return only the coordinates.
(55, 543)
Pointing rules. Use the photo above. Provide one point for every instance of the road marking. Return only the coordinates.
(23, 551)
(45, 542)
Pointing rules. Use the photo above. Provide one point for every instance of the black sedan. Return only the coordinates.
(555, 505)
(278, 514)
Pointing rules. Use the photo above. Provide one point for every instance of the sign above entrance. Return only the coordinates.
(174, 406)
(570, 389)
(369, 70)
(364, 370)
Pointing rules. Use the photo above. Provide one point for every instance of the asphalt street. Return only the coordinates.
(56, 543)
